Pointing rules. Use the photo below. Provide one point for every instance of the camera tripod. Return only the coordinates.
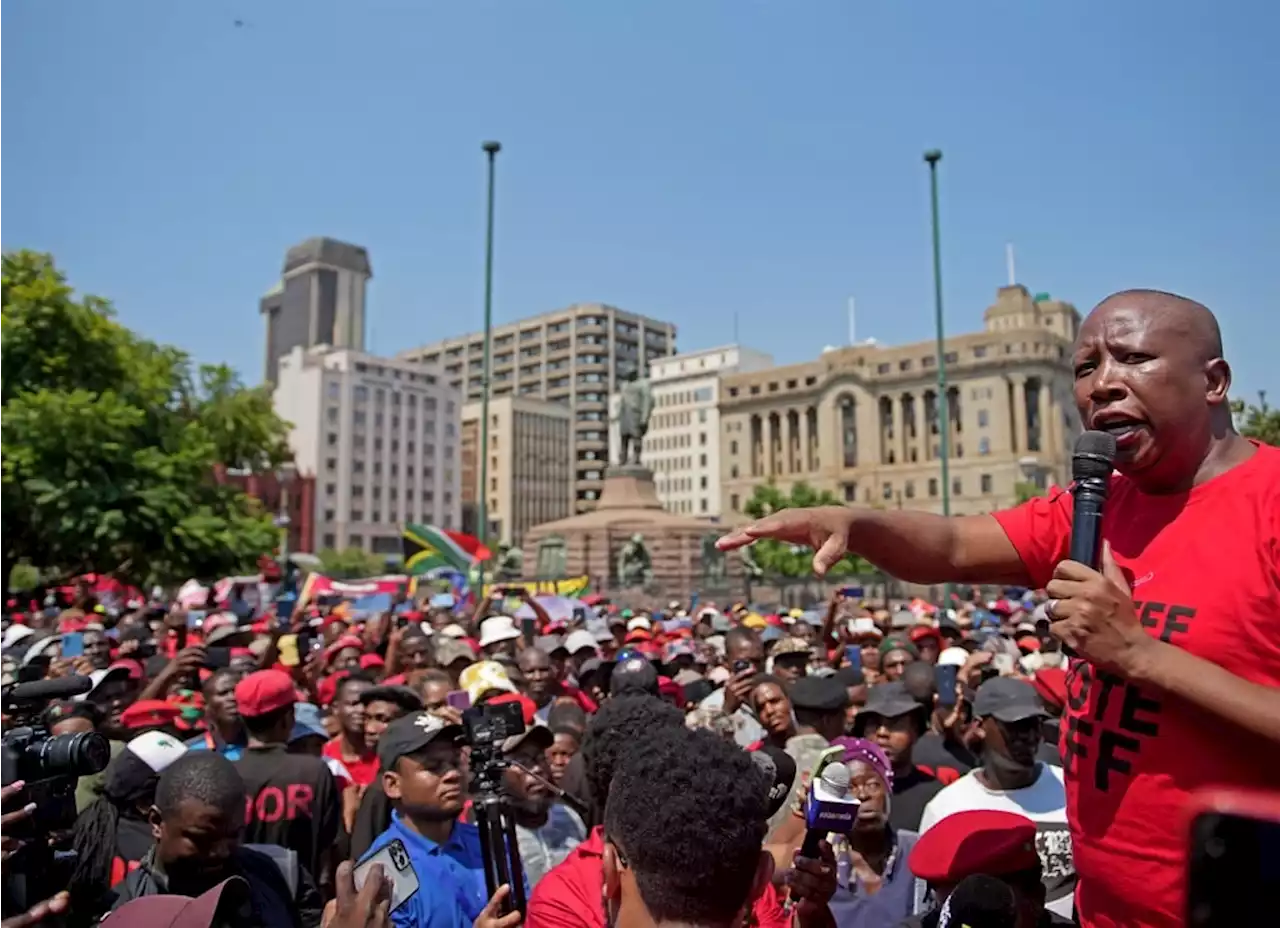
(499, 847)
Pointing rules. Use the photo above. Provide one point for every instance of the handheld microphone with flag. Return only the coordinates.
(979, 901)
(829, 807)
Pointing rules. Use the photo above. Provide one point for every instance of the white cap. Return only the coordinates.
(156, 749)
(580, 640)
(15, 633)
(953, 657)
(453, 630)
(498, 628)
(639, 622)
(864, 625)
(99, 677)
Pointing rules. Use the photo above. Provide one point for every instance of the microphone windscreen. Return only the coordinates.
(782, 771)
(44, 690)
(980, 901)
(1094, 455)
(835, 777)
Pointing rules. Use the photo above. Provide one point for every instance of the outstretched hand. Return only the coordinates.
(823, 528)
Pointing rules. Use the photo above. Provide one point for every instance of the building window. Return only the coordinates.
(982, 418)
(957, 487)
(733, 472)
(886, 491)
(733, 447)
(733, 502)
(933, 487)
(330, 541)
(849, 430)
(850, 492)
(986, 483)
(984, 446)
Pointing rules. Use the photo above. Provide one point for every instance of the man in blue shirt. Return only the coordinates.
(420, 756)
(226, 733)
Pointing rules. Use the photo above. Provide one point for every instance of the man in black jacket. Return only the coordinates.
(197, 821)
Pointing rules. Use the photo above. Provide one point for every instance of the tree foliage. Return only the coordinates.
(351, 564)
(111, 442)
(778, 559)
(1026, 490)
(1261, 422)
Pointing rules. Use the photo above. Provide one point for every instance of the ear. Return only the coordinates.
(612, 874)
(156, 821)
(1217, 375)
(762, 879)
(391, 784)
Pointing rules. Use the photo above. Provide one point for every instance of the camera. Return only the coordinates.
(487, 727)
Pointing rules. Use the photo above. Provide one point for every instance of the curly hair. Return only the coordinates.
(612, 732)
(688, 813)
(205, 776)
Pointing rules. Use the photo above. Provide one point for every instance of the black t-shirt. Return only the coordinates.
(291, 800)
(911, 793)
(933, 752)
(133, 840)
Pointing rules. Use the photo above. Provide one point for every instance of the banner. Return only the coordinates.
(570, 588)
(320, 585)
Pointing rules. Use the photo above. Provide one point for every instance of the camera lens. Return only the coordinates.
(77, 755)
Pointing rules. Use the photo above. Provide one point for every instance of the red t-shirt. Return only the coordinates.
(363, 770)
(1205, 571)
(571, 894)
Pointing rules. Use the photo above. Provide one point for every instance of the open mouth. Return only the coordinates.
(1125, 429)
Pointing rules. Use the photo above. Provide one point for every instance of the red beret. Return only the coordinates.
(147, 713)
(370, 661)
(965, 843)
(264, 691)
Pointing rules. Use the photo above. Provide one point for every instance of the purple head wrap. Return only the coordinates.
(869, 753)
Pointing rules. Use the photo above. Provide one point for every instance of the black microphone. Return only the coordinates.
(980, 901)
(1091, 464)
(45, 690)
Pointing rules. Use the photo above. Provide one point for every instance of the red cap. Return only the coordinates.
(925, 631)
(264, 691)
(148, 713)
(134, 668)
(180, 911)
(1051, 684)
(526, 704)
(346, 641)
(370, 661)
(327, 689)
(965, 843)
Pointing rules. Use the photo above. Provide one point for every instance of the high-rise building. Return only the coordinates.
(862, 421)
(682, 446)
(380, 435)
(574, 357)
(320, 300)
(530, 466)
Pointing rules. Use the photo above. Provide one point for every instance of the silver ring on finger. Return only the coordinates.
(1051, 609)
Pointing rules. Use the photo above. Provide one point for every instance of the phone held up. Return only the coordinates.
(1234, 864)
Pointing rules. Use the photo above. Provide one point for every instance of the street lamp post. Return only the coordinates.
(491, 150)
(282, 520)
(932, 157)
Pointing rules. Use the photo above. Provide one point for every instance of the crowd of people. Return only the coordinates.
(318, 769)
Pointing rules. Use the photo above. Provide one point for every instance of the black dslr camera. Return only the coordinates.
(50, 766)
(487, 727)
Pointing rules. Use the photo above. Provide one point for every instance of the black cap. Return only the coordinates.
(890, 700)
(401, 696)
(411, 733)
(1008, 700)
(849, 676)
(636, 673)
(819, 694)
(782, 769)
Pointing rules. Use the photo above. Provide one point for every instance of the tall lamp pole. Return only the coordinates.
(932, 157)
(491, 150)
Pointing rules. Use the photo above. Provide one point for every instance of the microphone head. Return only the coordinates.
(1094, 455)
(835, 778)
(980, 901)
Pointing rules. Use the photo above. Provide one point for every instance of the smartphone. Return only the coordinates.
(944, 676)
(852, 592)
(529, 630)
(284, 611)
(853, 655)
(196, 617)
(73, 644)
(741, 664)
(458, 699)
(216, 658)
(1235, 857)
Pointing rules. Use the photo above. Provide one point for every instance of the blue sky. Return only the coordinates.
(689, 159)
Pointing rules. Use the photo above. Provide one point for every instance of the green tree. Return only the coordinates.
(350, 564)
(778, 559)
(1261, 422)
(1026, 490)
(111, 442)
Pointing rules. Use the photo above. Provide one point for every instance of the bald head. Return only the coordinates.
(1194, 322)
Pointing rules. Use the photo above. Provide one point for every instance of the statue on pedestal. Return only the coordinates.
(633, 417)
(712, 559)
(510, 562)
(634, 567)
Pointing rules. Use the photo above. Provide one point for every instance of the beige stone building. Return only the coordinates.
(530, 465)
(574, 357)
(862, 421)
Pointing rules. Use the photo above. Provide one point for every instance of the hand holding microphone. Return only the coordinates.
(829, 807)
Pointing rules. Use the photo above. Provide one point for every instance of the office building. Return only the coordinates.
(530, 466)
(381, 437)
(320, 300)
(682, 446)
(862, 423)
(574, 357)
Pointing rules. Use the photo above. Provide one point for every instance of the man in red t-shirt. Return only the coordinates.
(1177, 684)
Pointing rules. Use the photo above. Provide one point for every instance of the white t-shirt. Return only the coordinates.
(1044, 802)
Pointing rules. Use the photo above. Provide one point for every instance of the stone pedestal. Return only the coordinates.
(628, 506)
